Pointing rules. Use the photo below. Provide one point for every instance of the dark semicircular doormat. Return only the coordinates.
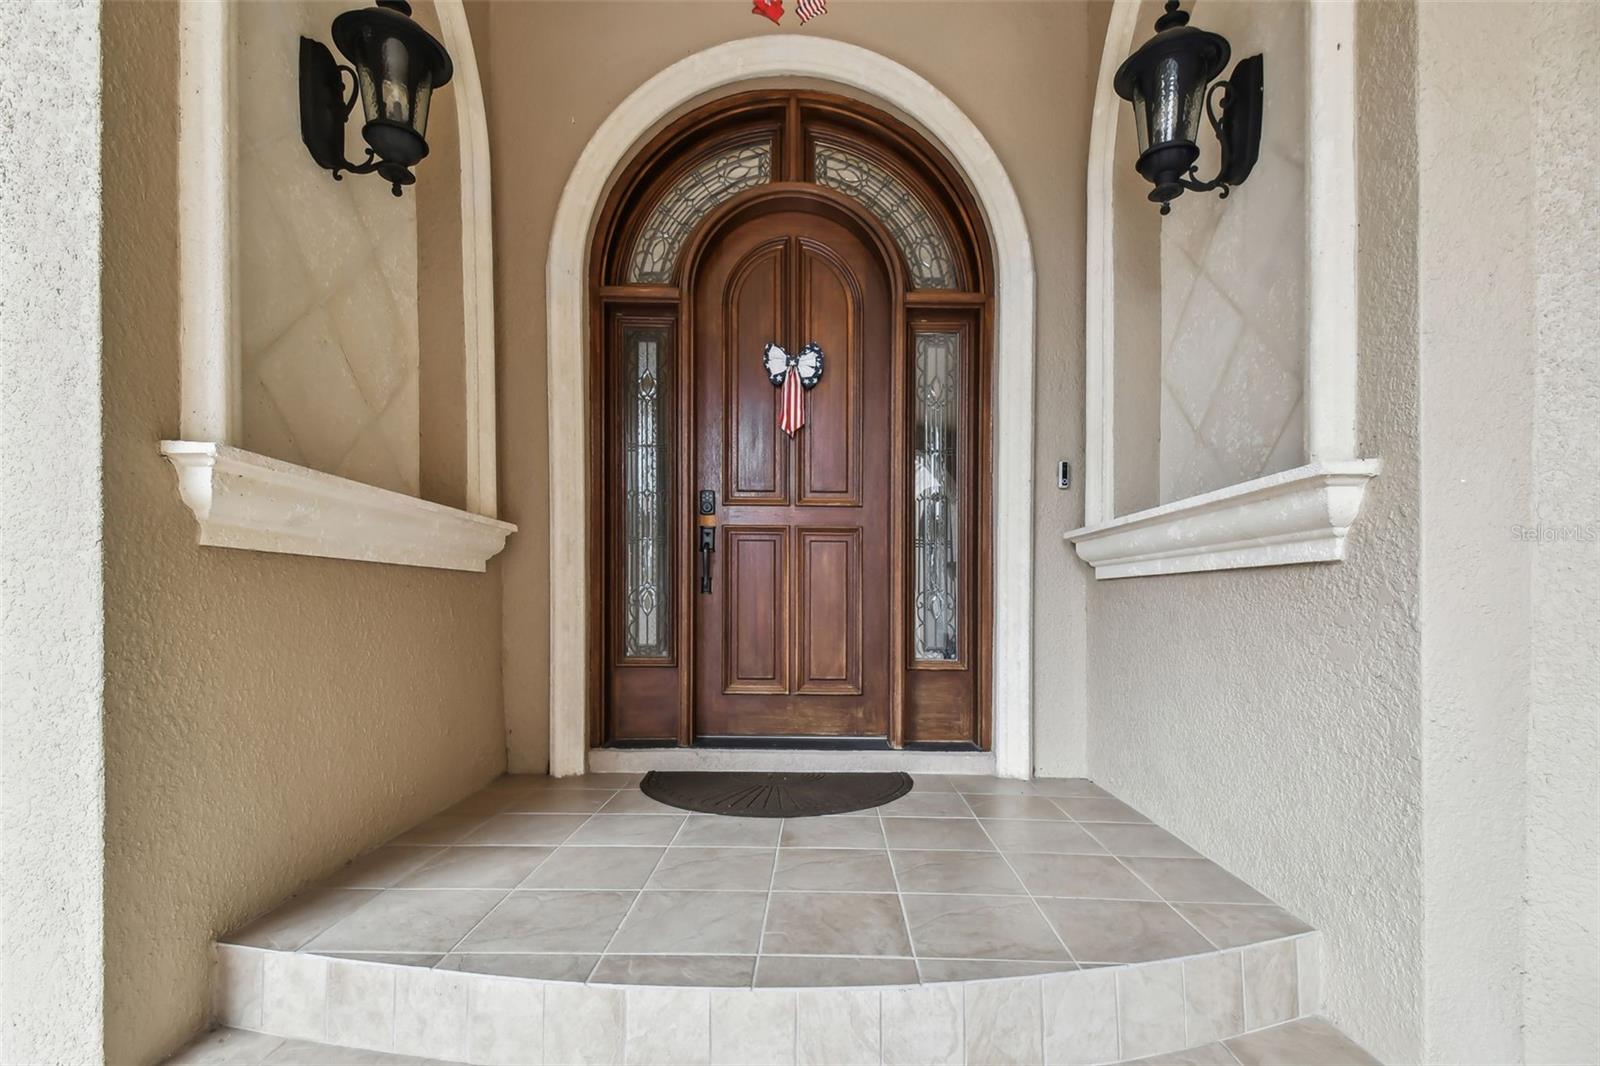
(757, 795)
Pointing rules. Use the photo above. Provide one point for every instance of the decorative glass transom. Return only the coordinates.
(923, 244)
(936, 506)
(702, 187)
(645, 461)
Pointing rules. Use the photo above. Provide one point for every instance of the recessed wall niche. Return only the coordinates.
(1208, 392)
(328, 300)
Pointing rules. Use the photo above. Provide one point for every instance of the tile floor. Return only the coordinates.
(1304, 1042)
(587, 879)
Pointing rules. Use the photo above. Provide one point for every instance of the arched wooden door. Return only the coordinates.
(765, 583)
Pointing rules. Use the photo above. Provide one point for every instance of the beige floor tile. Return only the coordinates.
(1118, 931)
(584, 1024)
(1232, 925)
(928, 805)
(409, 920)
(721, 869)
(923, 1026)
(1099, 809)
(980, 927)
(924, 783)
(298, 921)
(837, 1027)
(561, 801)
(636, 829)
(843, 923)
(1015, 807)
(478, 867)
(1150, 1009)
(227, 1047)
(752, 1027)
(595, 868)
(533, 967)
(841, 831)
(1140, 841)
(569, 922)
(1057, 837)
(983, 785)
(632, 801)
(505, 1023)
(972, 872)
(934, 970)
(1080, 1017)
(833, 870)
(668, 1027)
(798, 971)
(1306, 1042)
(1194, 881)
(389, 958)
(1204, 1055)
(1213, 994)
(307, 1053)
(383, 868)
(936, 834)
(526, 830)
(441, 829)
(1269, 985)
(1003, 1024)
(1067, 786)
(712, 971)
(676, 923)
(608, 781)
(711, 830)
(1085, 876)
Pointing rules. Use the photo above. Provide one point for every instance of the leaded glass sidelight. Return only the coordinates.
(703, 186)
(936, 507)
(646, 456)
(927, 253)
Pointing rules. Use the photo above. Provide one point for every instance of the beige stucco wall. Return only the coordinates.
(267, 717)
(327, 275)
(52, 647)
(1015, 69)
(1272, 717)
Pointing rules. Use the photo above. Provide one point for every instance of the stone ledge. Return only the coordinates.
(1297, 516)
(244, 500)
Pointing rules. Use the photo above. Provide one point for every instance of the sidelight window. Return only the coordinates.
(645, 462)
(936, 505)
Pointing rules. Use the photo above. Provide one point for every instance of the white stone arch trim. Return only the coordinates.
(567, 349)
(246, 501)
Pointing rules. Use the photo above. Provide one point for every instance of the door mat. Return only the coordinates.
(757, 795)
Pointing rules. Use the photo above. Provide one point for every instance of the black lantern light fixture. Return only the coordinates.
(1168, 80)
(397, 66)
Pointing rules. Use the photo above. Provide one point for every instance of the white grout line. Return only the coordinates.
(1037, 909)
(905, 917)
(635, 902)
(761, 937)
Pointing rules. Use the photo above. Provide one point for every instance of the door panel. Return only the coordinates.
(756, 611)
(830, 453)
(829, 601)
(795, 638)
(756, 307)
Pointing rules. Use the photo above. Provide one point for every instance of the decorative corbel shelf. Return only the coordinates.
(244, 500)
(1297, 516)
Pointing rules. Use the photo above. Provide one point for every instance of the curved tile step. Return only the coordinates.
(1097, 1015)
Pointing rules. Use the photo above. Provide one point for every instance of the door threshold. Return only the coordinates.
(769, 760)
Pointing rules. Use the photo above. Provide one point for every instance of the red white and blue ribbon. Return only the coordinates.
(795, 375)
(810, 9)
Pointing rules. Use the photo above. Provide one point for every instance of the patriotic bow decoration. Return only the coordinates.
(795, 375)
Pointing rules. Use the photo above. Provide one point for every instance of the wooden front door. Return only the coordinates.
(792, 630)
(847, 599)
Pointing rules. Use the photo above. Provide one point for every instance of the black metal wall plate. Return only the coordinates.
(322, 110)
(1241, 121)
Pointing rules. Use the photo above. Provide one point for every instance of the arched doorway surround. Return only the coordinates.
(573, 602)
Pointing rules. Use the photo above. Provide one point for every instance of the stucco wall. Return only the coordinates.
(267, 717)
(1561, 1004)
(1015, 69)
(51, 621)
(1272, 716)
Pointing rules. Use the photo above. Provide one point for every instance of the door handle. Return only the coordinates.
(708, 537)
(708, 548)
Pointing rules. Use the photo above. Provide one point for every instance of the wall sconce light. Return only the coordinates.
(398, 65)
(1167, 82)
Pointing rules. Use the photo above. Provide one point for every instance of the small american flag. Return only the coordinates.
(792, 401)
(810, 9)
